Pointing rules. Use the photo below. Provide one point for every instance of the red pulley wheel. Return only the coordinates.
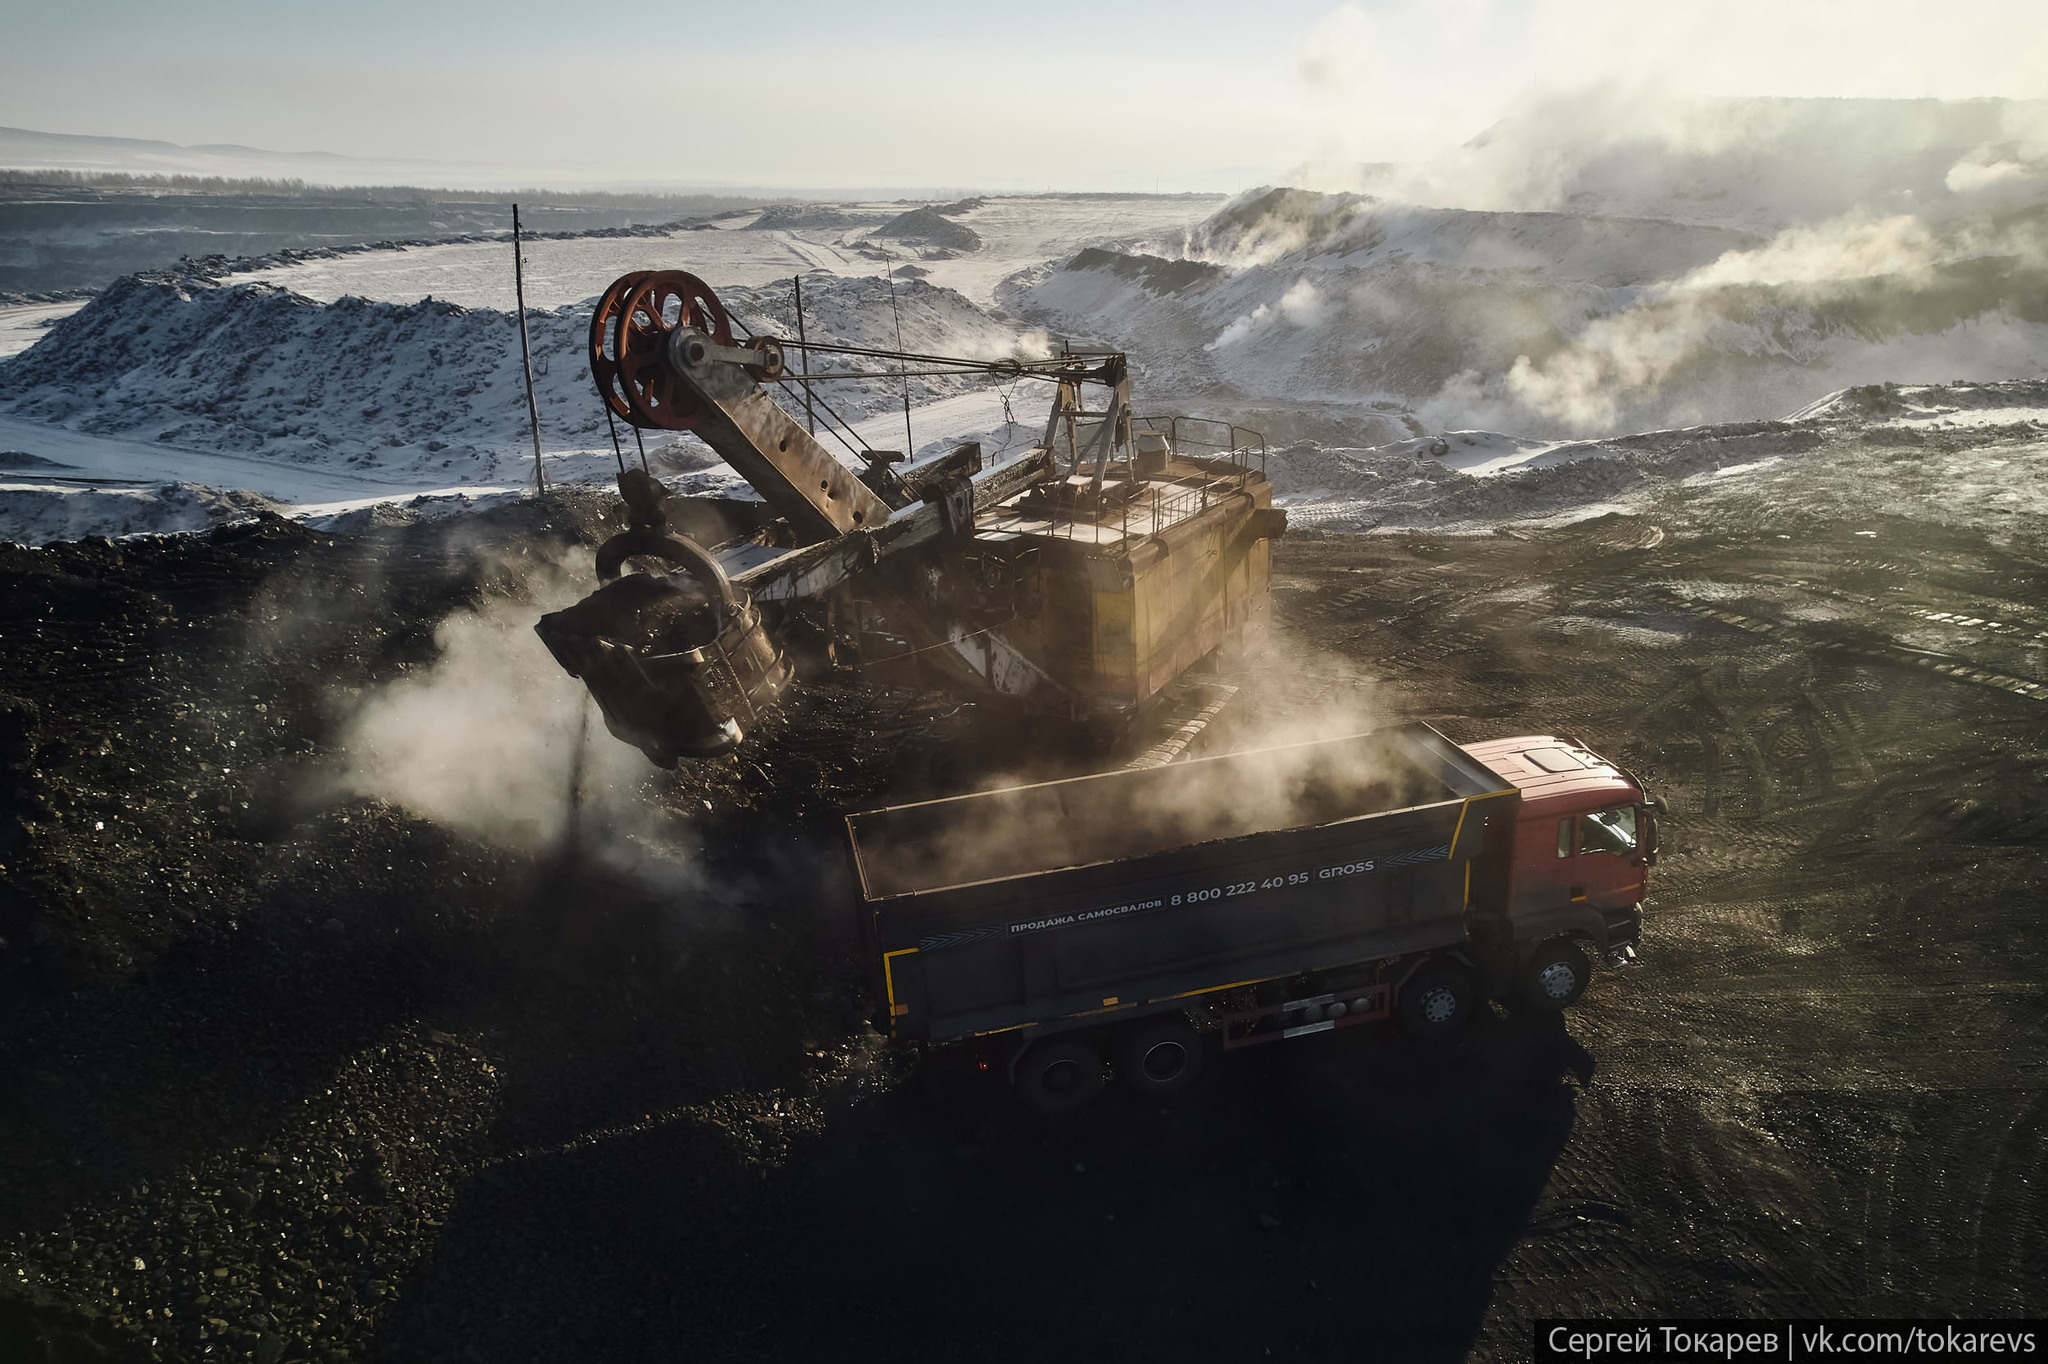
(652, 308)
(604, 362)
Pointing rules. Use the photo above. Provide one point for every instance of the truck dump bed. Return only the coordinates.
(1010, 908)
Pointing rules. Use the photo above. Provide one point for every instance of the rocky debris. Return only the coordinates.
(13, 299)
(809, 218)
(926, 227)
(20, 807)
(1155, 273)
(295, 1074)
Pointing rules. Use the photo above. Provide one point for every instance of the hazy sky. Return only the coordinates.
(1123, 94)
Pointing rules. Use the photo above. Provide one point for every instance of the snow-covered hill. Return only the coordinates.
(1963, 454)
(427, 390)
(1645, 277)
(1557, 323)
(1601, 262)
(128, 413)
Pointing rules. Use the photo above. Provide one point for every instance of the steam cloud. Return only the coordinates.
(1880, 274)
(1300, 306)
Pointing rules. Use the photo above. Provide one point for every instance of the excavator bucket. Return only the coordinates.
(679, 663)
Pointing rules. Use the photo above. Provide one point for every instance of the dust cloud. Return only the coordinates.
(1290, 766)
(495, 740)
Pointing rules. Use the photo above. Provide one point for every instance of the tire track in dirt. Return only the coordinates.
(1817, 981)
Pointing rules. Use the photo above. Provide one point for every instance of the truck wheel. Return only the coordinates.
(1438, 1001)
(1059, 1075)
(1160, 1057)
(1557, 974)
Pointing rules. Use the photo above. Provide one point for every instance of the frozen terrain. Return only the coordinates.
(1963, 455)
(1564, 324)
(1014, 233)
(323, 408)
(23, 324)
(348, 380)
(1707, 287)
(1597, 266)
(174, 403)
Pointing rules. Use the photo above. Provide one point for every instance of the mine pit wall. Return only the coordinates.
(1121, 622)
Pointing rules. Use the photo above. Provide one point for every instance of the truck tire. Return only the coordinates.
(1160, 1056)
(1556, 975)
(1059, 1075)
(1437, 1001)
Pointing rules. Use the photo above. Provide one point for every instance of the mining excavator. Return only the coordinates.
(1079, 577)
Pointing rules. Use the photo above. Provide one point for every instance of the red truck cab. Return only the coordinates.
(1584, 838)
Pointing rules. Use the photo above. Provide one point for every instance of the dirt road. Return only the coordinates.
(292, 1075)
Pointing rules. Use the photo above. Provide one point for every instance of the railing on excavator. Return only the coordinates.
(1164, 505)
(1238, 446)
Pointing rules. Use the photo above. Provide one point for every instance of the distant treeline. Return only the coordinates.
(680, 204)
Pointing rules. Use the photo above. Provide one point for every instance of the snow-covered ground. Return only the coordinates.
(171, 380)
(22, 325)
(149, 446)
(175, 403)
(1522, 336)
(57, 484)
(1015, 233)
(1566, 324)
(1966, 454)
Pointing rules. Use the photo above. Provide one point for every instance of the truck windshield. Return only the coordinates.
(1611, 831)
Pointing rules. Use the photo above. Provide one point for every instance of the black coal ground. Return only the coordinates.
(289, 1075)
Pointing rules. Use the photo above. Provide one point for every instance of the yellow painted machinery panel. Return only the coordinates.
(1184, 593)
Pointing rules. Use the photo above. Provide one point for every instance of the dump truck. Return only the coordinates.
(1135, 920)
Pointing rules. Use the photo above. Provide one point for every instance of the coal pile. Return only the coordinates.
(250, 1015)
(292, 1073)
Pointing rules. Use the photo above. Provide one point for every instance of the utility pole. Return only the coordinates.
(889, 274)
(804, 352)
(540, 476)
